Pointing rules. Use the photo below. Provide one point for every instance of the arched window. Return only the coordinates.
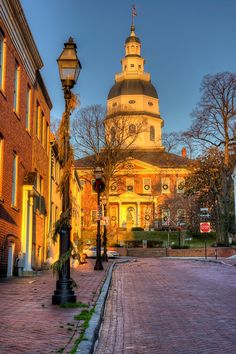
(152, 133)
(132, 129)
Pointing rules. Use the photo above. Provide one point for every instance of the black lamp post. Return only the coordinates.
(99, 187)
(69, 69)
(105, 257)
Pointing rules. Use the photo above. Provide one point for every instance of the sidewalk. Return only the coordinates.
(30, 324)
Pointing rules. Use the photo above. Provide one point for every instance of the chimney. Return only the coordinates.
(184, 153)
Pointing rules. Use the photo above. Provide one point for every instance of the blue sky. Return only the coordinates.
(182, 40)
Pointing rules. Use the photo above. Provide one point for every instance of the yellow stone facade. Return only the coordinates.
(148, 191)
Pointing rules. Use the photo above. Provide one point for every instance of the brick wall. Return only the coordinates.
(200, 252)
(32, 154)
(15, 138)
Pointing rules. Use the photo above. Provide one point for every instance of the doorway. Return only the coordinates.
(10, 261)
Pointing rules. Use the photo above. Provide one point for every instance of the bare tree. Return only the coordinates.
(171, 141)
(213, 130)
(215, 114)
(107, 142)
(176, 141)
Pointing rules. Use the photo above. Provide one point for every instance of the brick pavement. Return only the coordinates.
(169, 306)
(29, 324)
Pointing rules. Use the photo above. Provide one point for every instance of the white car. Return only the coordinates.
(112, 254)
(91, 252)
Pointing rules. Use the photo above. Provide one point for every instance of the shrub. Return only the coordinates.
(181, 247)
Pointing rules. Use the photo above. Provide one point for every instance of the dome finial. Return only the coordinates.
(134, 13)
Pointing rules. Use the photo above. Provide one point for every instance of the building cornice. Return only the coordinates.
(17, 27)
(133, 113)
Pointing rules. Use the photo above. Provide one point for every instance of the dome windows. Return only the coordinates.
(150, 103)
(152, 133)
(131, 101)
(132, 129)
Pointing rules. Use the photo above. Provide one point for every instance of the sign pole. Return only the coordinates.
(206, 246)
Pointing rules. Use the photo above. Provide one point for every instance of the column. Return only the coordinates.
(29, 231)
(120, 214)
(138, 214)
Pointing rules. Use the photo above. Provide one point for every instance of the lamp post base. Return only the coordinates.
(63, 293)
(98, 265)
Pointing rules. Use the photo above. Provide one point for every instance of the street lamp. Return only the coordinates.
(99, 187)
(105, 257)
(69, 69)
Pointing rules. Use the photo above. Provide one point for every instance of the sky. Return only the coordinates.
(182, 40)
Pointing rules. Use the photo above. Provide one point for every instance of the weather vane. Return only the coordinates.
(134, 13)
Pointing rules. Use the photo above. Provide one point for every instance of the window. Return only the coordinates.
(41, 122)
(28, 108)
(82, 184)
(180, 185)
(147, 185)
(40, 184)
(40, 202)
(94, 216)
(44, 133)
(132, 65)
(37, 119)
(2, 49)
(14, 179)
(47, 138)
(152, 133)
(129, 184)
(93, 183)
(16, 88)
(165, 217)
(131, 101)
(113, 187)
(1, 164)
(150, 103)
(165, 185)
(132, 129)
(181, 216)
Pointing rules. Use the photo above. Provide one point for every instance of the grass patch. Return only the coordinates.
(73, 305)
(85, 316)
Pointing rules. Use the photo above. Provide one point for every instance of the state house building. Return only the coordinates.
(151, 179)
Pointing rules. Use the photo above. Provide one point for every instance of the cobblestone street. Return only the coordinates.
(170, 307)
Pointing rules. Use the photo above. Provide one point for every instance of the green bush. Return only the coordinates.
(181, 247)
(137, 229)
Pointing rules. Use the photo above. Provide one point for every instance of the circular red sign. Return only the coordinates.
(205, 227)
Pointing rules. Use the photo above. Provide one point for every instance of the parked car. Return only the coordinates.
(91, 252)
(112, 254)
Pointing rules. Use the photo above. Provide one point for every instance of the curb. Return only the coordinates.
(86, 346)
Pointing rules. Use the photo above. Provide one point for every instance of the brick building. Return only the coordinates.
(24, 144)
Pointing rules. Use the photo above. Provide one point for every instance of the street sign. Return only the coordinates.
(205, 227)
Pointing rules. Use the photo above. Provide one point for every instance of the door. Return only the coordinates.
(129, 215)
(10, 262)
